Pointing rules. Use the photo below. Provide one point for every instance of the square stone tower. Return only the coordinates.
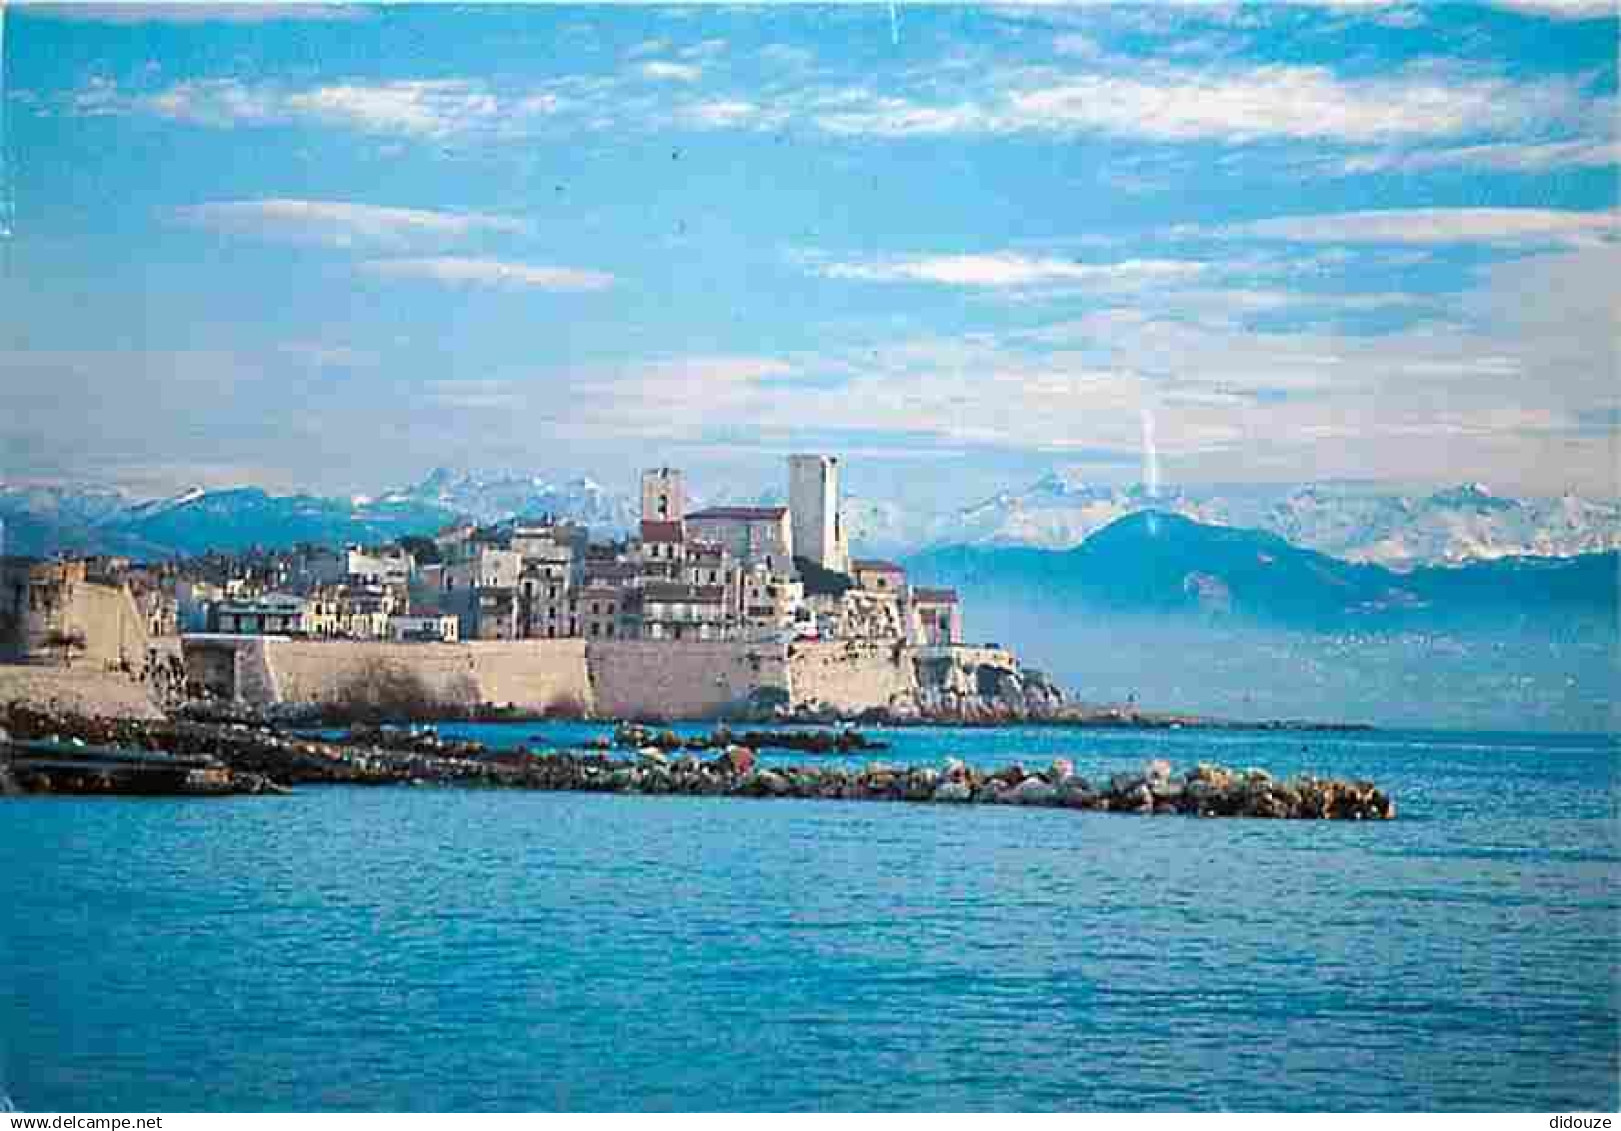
(664, 498)
(813, 501)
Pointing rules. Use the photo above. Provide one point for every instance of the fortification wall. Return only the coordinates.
(81, 690)
(102, 618)
(532, 675)
(665, 679)
(852, 675)
(640, 679)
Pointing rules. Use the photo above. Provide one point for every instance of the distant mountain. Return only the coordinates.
(1360, 524)
(495, 496)
(1158, 563)
(246, 516)
(1460, 524)
(196, 521)
(1060, 511)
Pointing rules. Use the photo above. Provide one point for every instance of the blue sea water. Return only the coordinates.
(429, 948)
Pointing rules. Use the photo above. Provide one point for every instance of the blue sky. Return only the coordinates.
(329, 248)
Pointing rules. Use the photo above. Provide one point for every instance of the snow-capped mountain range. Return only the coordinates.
(1354, 522)
(494, 496)
(1060, 510)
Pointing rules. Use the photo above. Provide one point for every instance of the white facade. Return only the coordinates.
(813, 499)
(664, 496)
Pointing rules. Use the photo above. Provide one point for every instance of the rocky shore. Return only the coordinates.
(255, 756)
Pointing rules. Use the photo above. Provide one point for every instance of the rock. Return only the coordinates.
(1074, 794)
(1032, 791)
(771, 782)
(1124, 783)
(956, 792)
(736, 760)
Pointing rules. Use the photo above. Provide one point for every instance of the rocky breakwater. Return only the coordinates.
(248, 754)
(388, 757)
(1204, 791)
(840, 741)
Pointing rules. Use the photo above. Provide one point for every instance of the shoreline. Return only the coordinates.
(245, 760)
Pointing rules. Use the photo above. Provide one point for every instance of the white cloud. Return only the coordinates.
(432, 108)
(1281, 101)
(1503, 227)
(475, 396)
(1515, 157)
(333, 223)
(663, 70)
(1008, 270)
(1561, 9)
(424, 108)
(459, 270)
(323, 356)
(648, 47)
(1158, 101)
(193, 11)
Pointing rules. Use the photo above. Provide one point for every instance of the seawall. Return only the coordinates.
(605, 679)
(665, 679)
(80, 690)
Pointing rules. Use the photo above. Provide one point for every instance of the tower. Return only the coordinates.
(664, 499)
(813, 502)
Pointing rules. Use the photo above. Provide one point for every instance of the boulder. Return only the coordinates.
(1124, 783)
(1032, 791)
(736, 760)
(1074, 794)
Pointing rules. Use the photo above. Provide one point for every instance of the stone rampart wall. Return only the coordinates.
(532, 675)
(670, 680)
(852, 675)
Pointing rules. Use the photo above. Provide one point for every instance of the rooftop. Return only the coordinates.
(655, 530)
(744, 514)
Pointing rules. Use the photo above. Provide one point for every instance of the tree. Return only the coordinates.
(424, 550)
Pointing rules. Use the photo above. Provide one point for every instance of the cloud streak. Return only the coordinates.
(1134, 99)
(1498, 227)
(341, 224)
(465, 271)
(1000, 270)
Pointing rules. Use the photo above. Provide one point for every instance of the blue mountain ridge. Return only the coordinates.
(1165, 564)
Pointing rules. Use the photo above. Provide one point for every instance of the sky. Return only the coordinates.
(330, 248)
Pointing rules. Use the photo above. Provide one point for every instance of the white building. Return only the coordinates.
(664, 496)
(751, 535)
(813, 499)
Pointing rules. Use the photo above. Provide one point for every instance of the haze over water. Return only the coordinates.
(432, 948)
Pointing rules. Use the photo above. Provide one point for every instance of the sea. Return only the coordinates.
(434, 948)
